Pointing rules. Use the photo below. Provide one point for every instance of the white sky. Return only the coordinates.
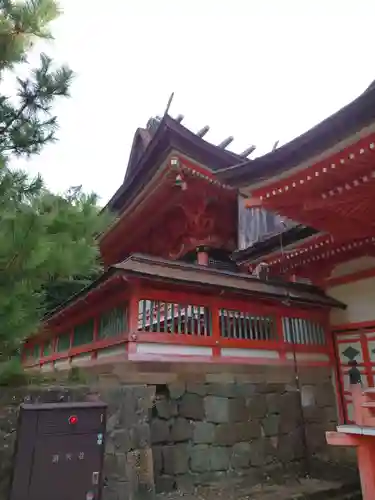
(260, 70)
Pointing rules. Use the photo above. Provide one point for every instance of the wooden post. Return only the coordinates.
(135, 297)
(366, 466)
(361, 435)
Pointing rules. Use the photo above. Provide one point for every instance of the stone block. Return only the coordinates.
(165, 408)
(240, 458)
(111, 491)
(176, 459)
(270, 425)
(200, 455)
(112, 421)
(238, 411)
(288, 422)
(185, 483)
(216, 409)
(296, 443)
(271, 388)
(181, 430)
(204, 433)
(191, 406)
(290, 447)
(273, 402)
(210, 479)
(128, 408)
(145, 397)
(315, 437)
(196, 388)
(308, 396)
(140, 471)
(219, 458)
(262, 452)
(157, 457)
(119, 440)
(225, 390)
(176, 390)
(160, 432)
(290, 405)
(246, 389)
(246, 431)
(225, 435)
(313, 414)
(257, 406)
(164, 484)
(221, 378)
(140, 436)
(313, 375)
(115, 466)
(330, 414)
(324, 395)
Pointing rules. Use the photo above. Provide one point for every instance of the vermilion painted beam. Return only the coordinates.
(340, 439)
(141, 290)
(324, 178)
(184, 339)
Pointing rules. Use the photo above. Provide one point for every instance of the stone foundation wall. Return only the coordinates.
(193, 423)
(128, 467)
(201, 431)
(204, 430)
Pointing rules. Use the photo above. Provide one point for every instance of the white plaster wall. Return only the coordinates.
(359, 296)
(353, 266)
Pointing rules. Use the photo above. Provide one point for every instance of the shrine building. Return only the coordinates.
(171, 289)
(320, 188)
(239, 304)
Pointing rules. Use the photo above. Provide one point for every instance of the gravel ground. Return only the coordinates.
(234, 490)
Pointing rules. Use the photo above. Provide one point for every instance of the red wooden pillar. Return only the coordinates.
(366, 465)
(335, 362)
(71, 338)
(215, 318)
(135, 297)
(362, 436)
(280, 337)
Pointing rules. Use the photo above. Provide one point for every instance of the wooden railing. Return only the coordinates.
(216, 326)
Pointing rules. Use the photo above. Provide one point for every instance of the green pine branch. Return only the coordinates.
(29, 125)
(48, 247)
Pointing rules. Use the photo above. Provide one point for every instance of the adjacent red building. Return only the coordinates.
(325, 181)
(177, 284)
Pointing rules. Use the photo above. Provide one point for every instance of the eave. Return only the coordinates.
(315, 257)
(272, 244)
(159, 195)
(183, 274)
(166, 272)
(339, 130)
(169, 136)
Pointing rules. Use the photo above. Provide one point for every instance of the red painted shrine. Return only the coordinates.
(321, 185)
(171, 289)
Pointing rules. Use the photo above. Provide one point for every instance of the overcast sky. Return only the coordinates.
(260, 70)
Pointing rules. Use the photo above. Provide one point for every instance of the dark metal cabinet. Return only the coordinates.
(59, 452)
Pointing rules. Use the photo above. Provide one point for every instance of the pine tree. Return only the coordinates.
(45, 239)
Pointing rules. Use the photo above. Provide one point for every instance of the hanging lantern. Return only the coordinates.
(175, 162)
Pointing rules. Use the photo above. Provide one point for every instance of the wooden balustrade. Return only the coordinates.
(189, 325)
